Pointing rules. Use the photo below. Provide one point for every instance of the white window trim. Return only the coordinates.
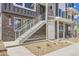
(25, 7)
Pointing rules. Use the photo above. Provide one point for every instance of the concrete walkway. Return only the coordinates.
(72, 50)
(19, 51)
(10, 43)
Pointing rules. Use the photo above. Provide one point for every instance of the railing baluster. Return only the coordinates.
(26, 26)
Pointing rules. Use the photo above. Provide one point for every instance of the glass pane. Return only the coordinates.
(18, 24)
(56, 9)
(24, 21)
(70, 4)
(61, 34)
(19, 4)
(29, 5)
(60, 12)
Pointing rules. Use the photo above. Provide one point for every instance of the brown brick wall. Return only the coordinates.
(8, 33)
(7, 30)
(41, 33)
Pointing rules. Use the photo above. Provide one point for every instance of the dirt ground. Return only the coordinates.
(42, 48)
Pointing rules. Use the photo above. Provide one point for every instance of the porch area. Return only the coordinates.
(60, 28)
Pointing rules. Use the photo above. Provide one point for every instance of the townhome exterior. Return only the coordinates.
(32, 21)
(61, 24)
(18, 18)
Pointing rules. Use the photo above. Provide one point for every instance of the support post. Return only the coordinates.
(46, 19)
(63, 30)
(57, 30)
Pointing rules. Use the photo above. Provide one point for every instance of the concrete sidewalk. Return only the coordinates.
(10, 43)
(72, 50)
(19, 51)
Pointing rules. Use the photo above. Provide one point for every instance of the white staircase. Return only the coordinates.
(31, 31)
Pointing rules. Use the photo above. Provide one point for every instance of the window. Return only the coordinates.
(72, 17)
(29, 6)
(61, 27)
(60, 30)
(69, 16)
(17, 23)
(70, 4)
(66, 14)
(24, 22)
(20, 4)
(60, 34)
(60, 14)
(50, 7)
(56, 12)
(66, 5)
(28, 24)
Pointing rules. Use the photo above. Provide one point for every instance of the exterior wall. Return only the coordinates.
(51, 9)
(62, 10)
(58, 29)
(8, 11)
(0, 7)
(8, 33)
(51, 29)
(10, 8)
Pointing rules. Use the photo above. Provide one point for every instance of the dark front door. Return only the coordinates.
(42, 12)
(42, 9)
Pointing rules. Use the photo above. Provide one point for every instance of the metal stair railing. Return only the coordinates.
(26, 27)
(23, 29)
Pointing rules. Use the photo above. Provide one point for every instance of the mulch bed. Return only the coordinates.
(44, 47)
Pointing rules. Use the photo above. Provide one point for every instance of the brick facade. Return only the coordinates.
(8, 33)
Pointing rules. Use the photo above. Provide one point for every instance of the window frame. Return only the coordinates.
(25, 7)
(15, 24)
(19, 5)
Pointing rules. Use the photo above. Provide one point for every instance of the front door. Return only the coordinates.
(42, 12)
